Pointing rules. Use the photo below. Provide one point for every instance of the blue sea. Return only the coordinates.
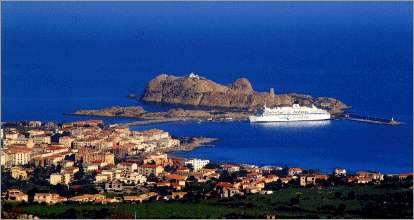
(58, 57)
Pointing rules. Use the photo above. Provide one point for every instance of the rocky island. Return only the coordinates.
(198, 91)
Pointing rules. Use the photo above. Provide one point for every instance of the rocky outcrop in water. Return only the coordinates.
(129, 111)
(199, 91)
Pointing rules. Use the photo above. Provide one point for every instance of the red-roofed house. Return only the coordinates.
(224, 185)
(230, 168)
(148, 169)
(295, 171)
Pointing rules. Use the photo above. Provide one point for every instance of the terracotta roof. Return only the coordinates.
(295, 169)
(54, 156)
(152, 166)
(126, 163)
(18, 150)
(16, 146)
(164, 183)
(229, 165)
(224, 184)
(55, 147)
(175, 177)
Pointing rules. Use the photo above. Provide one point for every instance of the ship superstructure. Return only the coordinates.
(290, 113)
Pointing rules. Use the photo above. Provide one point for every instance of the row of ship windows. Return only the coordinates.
(275, 113)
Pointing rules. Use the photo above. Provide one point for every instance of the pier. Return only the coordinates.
(366, 119)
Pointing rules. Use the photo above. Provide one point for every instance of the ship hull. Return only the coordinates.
(292, 117)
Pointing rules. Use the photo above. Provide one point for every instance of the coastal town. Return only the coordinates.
(89, 161)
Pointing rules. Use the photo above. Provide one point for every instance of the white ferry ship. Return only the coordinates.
(290, 113)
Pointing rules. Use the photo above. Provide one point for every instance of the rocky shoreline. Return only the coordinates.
(194, 143)
(187, 144)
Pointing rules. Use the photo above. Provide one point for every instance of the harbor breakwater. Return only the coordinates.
(366, 119)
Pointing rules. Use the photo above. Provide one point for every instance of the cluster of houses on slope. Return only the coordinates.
(88, 141)
(159, 171)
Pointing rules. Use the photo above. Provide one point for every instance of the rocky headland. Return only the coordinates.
(198, 91)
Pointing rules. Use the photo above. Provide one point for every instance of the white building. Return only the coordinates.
(68, 163)
(12, 135)
(340, 172)
(92, 167)
(193, 75)
(101, 178)
(55, 178)
(35, 123)
(17, 156)
(3, 158)
(197, 164)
